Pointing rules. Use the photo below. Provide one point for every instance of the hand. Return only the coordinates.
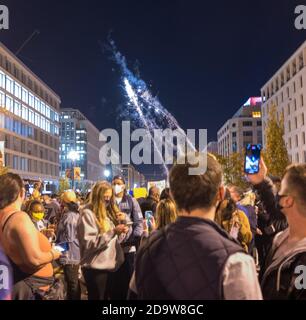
(121, 228)
(145, 226)
(56, 254)
(153, 223)
(49, 233)
(259, 177)
(121, 216)
(259, 232)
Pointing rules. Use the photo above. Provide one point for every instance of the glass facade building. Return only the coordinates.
(29, 121)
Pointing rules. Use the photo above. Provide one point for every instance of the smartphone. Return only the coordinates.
(62, 247)
(148, 216)
(252, 158)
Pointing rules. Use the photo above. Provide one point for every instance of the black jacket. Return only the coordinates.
(282, 280)
(184, 261)
(148, 204)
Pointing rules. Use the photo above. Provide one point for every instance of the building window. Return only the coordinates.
(296, 122)
(282, 96)
(25, 96)
(247, 123)
(2, 80)
(17, 90)
(9, 85)
(294, 87)
(15, 163)
(259, 123)
(294, 104)
(303, 138)
(247, 133)
(289, 125)
(297, 158)
(234, 134)
(37, 104)
(31, 100)
(302, 100)
(302, 119)
(288, 109)
(288, 92)
(9, 104)
(301, 81)
(17, 109)
(25, 113)
(296, 140)
(290, 144)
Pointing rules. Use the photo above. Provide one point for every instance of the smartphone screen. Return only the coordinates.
(148, 216)
(252, 158)
(62, 247)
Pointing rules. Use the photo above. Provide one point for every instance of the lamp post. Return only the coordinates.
(107, 174)
(73, 156)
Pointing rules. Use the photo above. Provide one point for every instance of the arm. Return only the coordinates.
(26, 238)
(89, 234)
(240, 280)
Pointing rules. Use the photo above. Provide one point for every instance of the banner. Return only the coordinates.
(77, 173)
(161, 185)
(2, 163)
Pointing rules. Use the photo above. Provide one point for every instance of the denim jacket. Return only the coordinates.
(67, 232)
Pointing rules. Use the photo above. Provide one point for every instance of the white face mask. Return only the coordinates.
(118, 188)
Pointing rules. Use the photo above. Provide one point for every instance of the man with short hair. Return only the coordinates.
(150, 203)
(288, 253)
(193, 258)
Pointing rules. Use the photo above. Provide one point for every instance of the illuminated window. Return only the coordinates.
(31, 100)
(9, 85)
(48, 112)
(25, 115)
(2, 99)
(17, 109)
(9, 104)
(47, 125)
(37, 120)
(43, 123)
(56, 117)
(37, 104)
(31, 117)
(17, 90)
(43, 108)
(25, 95)
(2, 80)
(256, 114)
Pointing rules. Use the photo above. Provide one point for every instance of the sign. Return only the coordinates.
(140, 193)
(77, 173)
(161, 185)
(2, 163)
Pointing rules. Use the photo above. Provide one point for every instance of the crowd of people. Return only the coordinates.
(198, 239)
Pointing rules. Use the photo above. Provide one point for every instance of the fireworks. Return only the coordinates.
(143, 108)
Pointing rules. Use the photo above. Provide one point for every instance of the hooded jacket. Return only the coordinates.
(282, 278)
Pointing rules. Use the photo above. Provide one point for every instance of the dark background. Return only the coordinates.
(202, 58)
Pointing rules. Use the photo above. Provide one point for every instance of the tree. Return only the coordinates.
(233, 169)
(275, 152)
(63, 185)
(3, 170)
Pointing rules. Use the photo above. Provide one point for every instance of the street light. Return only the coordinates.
(73, 156)
(107, 173)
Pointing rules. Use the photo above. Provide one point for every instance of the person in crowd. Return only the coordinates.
(166, 213)
(29, 251)
(281, 278)
(248, 202)
(150, 203)
(67, 233)
(6, 277)
(234, 221)
(52, 208)
(165, 194)
(193, 258)
(271, 220)
(131, 208)
(37, 214)
(100, 234)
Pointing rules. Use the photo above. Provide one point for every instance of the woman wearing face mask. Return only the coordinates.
(100, 234)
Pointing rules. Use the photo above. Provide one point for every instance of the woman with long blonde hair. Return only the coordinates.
(100, 231)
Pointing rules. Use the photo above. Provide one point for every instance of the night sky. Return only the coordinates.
(202, 58)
